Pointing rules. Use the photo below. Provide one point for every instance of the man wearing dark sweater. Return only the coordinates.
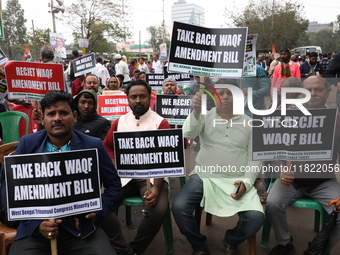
(88, 120)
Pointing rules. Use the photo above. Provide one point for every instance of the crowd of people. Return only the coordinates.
(119, 66)
(69, 121)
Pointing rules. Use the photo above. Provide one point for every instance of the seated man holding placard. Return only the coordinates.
(140, 118)
(322, 187)
(217, 182)
(75, 234)
(304, 181)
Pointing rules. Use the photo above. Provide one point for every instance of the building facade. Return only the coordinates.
(314, 26)
(182, 11)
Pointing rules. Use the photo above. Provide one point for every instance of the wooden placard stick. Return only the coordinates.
(148, 186)
(54, 249)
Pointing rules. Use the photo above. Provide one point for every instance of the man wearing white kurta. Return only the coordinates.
(226, 149)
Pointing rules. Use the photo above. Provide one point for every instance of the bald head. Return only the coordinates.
(319, 91)
(315, 79)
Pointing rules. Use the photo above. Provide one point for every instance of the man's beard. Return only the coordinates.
(140, 110)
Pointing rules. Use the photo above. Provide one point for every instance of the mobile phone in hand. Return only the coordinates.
(86, 226)
(237, 188)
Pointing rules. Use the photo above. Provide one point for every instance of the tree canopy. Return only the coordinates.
(42, 36)
(156, 37)
(14, 27)
(96, 20)
(278, 23)
(328, 40)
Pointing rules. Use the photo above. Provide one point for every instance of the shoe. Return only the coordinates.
(231, 249)
(200, 252)
(280, 249)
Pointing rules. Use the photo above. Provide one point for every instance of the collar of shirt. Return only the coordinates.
(49, 147)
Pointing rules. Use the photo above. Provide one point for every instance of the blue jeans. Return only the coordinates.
(189, 198)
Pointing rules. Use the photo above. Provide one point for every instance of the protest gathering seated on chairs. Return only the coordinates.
(303, 203)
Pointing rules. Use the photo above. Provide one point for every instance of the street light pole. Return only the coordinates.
(56, 9)
(163, 23)
(53, 19)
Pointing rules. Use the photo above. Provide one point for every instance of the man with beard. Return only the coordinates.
(312, 67)
(285, 69)
(170, 86)
(140, 118)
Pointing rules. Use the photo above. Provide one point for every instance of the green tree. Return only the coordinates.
(156, 37)
(14, 27)
(336, 29)
(37, 40)
(328, 40)
(278, 23)
(323, 38)
(96, 20)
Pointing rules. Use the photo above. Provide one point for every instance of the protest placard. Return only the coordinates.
(179, 77)
(212, 52)
(27, 80)
(58, 43)
(84, 64)
(83, 43)
(3, 86)
(3, 89)
(155, 80)
(294, 136)
(149, 154)
(250, 57)
(182, 79)
(3, 58)
(163, 53)
(113, 107)
(174, 108)
(52, 185)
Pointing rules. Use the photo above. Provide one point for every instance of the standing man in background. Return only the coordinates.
(101, 72)
(122, 68)
(143, 67)
(156, 64)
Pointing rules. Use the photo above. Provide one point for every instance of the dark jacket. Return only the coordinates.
(94, 125)
(305, 68)
(34, 143)
(332, 72)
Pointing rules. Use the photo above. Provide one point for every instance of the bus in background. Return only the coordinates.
(303, 50)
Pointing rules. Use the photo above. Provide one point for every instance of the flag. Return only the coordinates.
(273, 48)
(27, 55)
